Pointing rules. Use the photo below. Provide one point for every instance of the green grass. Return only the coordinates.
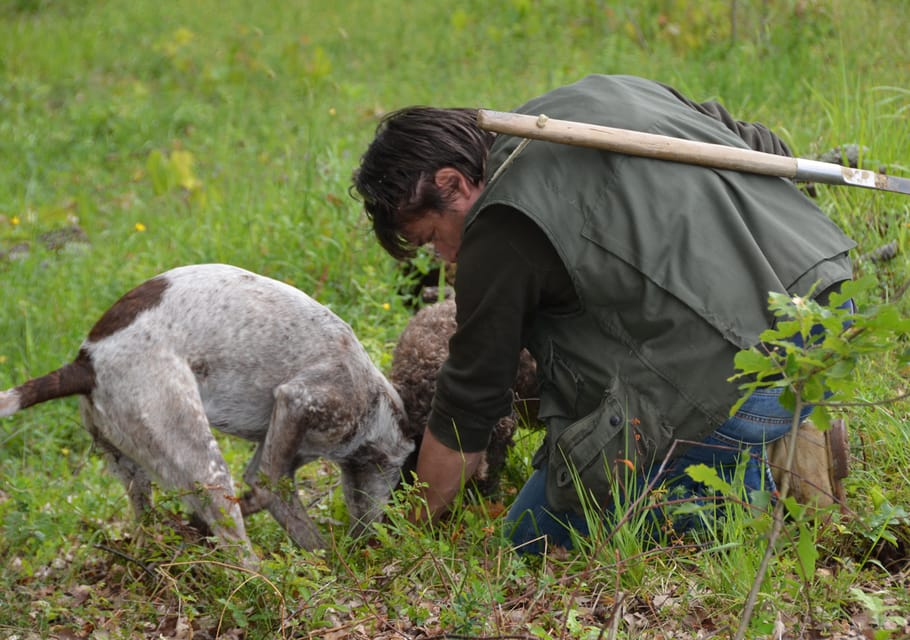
(176, 133)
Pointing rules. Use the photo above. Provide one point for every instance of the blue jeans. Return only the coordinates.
(760, 420)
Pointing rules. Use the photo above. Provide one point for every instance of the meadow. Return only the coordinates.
(139, 135)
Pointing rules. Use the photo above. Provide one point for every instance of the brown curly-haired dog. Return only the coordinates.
(422, 348)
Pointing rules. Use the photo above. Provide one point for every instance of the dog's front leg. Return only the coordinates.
(279, 497)
(270, 473)
(289, 513)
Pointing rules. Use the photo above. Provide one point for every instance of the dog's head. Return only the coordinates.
(374, 469)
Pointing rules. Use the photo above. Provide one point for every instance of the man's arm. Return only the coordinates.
(444, 472)
(507, 272)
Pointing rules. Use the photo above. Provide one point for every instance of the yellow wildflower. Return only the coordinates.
(14, 220)
(140, 227)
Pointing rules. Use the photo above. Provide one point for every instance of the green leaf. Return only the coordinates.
(708, 477)
(814, 390)
(760, 499)
(795, 510)
(788, 399)
(181, 166)
(784, 330)
(157, 169)
(821, 418)
(841, 369)
(791, 366)
(853, 289)
(752, 361)
(806, 552)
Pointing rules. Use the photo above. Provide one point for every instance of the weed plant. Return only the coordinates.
(136, 136)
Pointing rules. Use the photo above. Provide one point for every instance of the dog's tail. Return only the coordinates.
(77, 377)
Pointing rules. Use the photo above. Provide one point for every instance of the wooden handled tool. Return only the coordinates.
(704, 154)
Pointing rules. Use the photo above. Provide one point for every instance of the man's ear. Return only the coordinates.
(451, 181)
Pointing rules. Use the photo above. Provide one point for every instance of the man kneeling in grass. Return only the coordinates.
(633, 282)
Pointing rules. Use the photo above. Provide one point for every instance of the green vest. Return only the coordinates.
(672, 265)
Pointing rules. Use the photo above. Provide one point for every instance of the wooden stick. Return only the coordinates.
(637, 143)
(716, 156)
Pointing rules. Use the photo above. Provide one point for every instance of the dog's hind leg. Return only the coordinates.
(163, 428)
(191, 463)
(135, 480)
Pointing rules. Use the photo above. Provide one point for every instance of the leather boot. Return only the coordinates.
(819, 467)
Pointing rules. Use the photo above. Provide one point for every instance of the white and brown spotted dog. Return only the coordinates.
(216, 345)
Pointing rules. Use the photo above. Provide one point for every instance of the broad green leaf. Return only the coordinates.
(795, 510)
(760, 499)
(181, 164)
(806, 552)
(788, 399)
(158, 172)
(752, 361)
(813, 390)
(708, 477)
(841, 369)
(821, 418)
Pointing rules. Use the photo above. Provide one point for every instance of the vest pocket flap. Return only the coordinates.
(625, 431)
(589, 441)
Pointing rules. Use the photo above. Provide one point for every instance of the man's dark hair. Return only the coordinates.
(396, 175)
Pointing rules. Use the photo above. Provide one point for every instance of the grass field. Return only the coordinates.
(138, 135)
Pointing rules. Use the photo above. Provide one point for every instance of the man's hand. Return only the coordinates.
(444, 471)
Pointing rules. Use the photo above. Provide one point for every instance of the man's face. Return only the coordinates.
(440, 229)
(443, 229)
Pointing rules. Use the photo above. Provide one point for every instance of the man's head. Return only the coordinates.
(423, 163)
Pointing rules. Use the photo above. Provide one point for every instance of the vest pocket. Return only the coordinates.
(584, 453)
(623, 430)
